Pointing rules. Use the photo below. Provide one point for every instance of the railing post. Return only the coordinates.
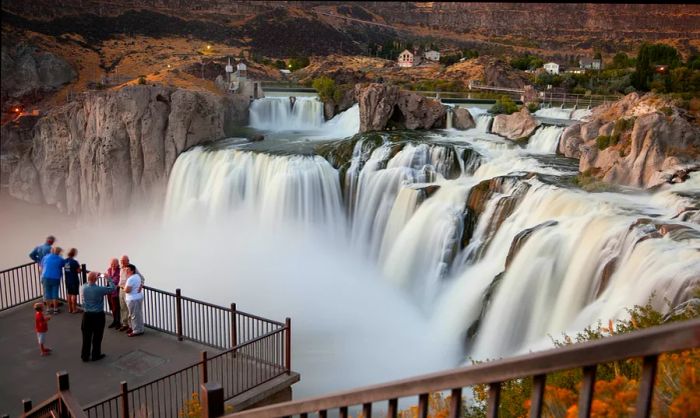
(212, 400)
(62, 381)
(178, 309)
(288, 345)
(234, 326)
(26, 405)
(83, 272)
(124, 400)
(204, 376)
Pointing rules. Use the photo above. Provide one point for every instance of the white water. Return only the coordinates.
(277, 114)
(564, 113)
(545, 140)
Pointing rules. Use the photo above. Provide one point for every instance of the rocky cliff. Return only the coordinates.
(384, 106)
(108, 148)
(640, 141)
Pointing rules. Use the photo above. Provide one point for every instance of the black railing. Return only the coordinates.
(647, 344)
(20, 285)
(238, 370)
(258, 349)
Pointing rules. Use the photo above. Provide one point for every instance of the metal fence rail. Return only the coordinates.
(647, 344)
(19, 285)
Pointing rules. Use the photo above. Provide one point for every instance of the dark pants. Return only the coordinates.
(93, 327)
(115, 307)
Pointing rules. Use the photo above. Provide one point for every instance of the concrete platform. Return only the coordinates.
(24, 373)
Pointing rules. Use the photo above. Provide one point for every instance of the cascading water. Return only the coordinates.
(545, 140)
(283, 114)
(488, 240)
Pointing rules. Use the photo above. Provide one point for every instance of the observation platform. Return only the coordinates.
(186, 343)
(136, 360)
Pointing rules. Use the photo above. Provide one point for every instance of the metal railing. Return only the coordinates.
(19, 285)
(257, 349)
(238, 370)
(647, 344)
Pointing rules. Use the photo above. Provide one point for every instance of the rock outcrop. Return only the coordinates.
(462, 119)
(26, 69)
(637, 141)
(106, 149)
(385, 106)
(516, 126)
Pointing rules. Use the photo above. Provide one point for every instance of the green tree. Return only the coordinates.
(297, 63)
(504, 105)
(648, 57)
(325, 86)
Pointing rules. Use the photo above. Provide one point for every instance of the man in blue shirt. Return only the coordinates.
(51, 274)
(93, 325)
(41, 250)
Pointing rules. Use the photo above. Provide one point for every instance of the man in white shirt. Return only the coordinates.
(134, 300)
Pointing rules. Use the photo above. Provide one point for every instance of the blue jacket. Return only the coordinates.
(52, 267)
(39, 252)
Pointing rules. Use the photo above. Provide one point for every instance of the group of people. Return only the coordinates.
(124, 292)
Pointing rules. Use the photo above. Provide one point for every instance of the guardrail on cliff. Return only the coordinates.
(257, 349)
(647, 344)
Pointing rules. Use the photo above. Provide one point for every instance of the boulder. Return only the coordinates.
(515, 126)
(571, 141)
(385, 106)
(377, 103)
(108, 149)
(27, 69)
(419, 112)
(462, 119)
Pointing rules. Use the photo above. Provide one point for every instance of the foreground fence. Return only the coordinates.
(256, 350)
(647, 344)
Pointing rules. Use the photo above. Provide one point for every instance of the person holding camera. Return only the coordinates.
(93, 325)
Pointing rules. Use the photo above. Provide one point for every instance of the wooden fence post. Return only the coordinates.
(124, 399)
(212, 400)
(178, 313)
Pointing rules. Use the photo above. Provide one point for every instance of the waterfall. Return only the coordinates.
(554, 113)
(212, 184)
(278, 114)
(483, 123)
(450, 115)
(344, 124)
(487, 239)
(545, 140)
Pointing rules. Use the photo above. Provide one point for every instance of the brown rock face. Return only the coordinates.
(109, 148)
(418, 112)
(383, 105)
(376, 105)
(462, 119)
(518, 125)
(637, 141)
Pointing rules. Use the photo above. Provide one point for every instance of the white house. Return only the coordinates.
(590, 63)
(432, 55)
(408, 59)
(551, 68)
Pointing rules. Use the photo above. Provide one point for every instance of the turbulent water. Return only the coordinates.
(489, 240)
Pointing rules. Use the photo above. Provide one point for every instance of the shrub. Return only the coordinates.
(603, 142)
(504, 105)
(325, 86)
(533, 107)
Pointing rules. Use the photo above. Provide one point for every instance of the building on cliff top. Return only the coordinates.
(408, 59)
(551, 67)
(590, 63)
(432, 56)
(238, 82)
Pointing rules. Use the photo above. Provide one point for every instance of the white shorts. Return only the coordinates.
(41, 337)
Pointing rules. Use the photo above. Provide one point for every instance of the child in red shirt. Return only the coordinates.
(41, 327)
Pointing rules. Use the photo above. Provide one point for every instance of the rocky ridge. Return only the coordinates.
(100, 152)
(639, 141)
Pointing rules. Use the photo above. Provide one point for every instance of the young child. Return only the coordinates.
(41, 327)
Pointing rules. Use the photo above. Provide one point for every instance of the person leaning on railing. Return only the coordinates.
(93, 324)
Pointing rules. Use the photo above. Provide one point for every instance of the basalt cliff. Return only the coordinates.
(100, 152)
